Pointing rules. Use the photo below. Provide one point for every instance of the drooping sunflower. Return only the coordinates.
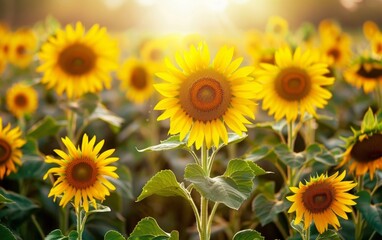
(364, 148)
(82, 173)
(22, 47)
(294, 84)
(11, 142)
(321, 200)
(21, 99)
(136, 79)
(76, 62)
(202, 98)
(364, 73)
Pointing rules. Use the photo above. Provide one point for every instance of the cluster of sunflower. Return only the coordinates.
(61, 85)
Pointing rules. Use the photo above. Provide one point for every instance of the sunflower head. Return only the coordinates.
(21, 100)
(22, 47)
(364, 148)
(321, 200)
(365, 72)
(82, 173)
(202, 99)
(136, 79)
(294, 84)
(77, 62)
(277, 26)
(370, 29)
(11, 142)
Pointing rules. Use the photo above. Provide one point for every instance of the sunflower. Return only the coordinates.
(22, 47)
(82, 173)
(21, 100)
(364, 73)
(76, 62)
(338, 51)
(363, 148)
(370, 28)
(277, 26)
(294, 84)
(3, 63)
(202, 98)
(321, 200)
(10, 149)
(136, 79)
(153, 51)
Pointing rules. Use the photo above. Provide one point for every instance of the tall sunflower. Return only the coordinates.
(321, 200)
(202, 98)
(76, 62)
(21, 99)
(82, 173)
(136, 79)
(366, 73)
(11, 142)
(364, 148)
(294, 84)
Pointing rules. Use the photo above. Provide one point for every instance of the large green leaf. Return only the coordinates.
(148, 229)
(266, 209)
(17, 212)
(372, 214)
(48, 126)
(248, 234)
(329, 235)
(113, 235)
(6, 234)
(231, 189)
(259, 153)
(233, 138)
(170, 143)
(291, 159)
(4, 199)
(164, 183)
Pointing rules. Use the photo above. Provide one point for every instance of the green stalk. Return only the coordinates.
(203, 231)
(359, 221)
(79, 222)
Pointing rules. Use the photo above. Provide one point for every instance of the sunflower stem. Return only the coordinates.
(359, 220)
(204, 233)
(79, 222)
(39, 229)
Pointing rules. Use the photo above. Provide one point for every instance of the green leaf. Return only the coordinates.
(329, 235)
(267, 210)
(4, 199)
(123, 184)
(45, 127)
(298, 227)
(371, 213)
(320, 154)
(6, 234)
(231, 189)
(31, 169)
(148, 229)
(102, 113)
(233, 138)
(164, 183)
(56, 235)
(256, 169)
(292, 159)
(259, 153)
(248, 234)
(113, 235)
(369, 121)
(17, 212)
(170, 143)
(100, 208)
(73, 235)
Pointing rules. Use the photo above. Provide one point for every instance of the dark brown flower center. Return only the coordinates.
(21, 100)
(139, 78)
(5, 151)
(334, 53)
(81, 173)
(318, 197)
(367, 150)
(205, 96)
(77, 59)
(369, 74)
(6, 49)
(292, 84)
(21, 50)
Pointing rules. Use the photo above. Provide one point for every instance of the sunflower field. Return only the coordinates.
(148, 120)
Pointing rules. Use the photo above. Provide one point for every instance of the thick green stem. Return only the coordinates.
(203, 231)
(79, 222)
